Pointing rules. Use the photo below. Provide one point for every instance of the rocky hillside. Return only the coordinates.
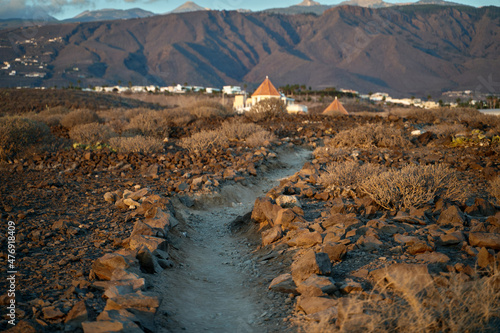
(416, 50)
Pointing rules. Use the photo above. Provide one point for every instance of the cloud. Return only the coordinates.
(37, 9)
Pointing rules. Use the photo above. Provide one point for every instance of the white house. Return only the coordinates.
(231, 90)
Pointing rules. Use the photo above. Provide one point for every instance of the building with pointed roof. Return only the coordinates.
(266, 91)
(336, 107)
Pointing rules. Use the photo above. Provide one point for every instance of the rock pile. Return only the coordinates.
(343, 243)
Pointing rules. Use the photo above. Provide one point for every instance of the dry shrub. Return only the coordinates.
(371, 135)
(260, 138)
(333, 154)
(252, 134)
(150, 123)
(494, 188)
(266, 109)
(17, 134)
(208, 109)
(415, 186)
(233, 130)
(91, 134)
(202, 140)
(137, 144)
(79, 117)
(348, 173)
(446, 130)
(452, 305)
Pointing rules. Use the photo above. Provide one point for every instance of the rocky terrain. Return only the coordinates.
(281, 236)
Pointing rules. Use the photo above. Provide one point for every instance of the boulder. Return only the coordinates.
(76, 316)
(104, 266)
(288, 201)
(349, 285)
(137, 300)
(306, 238)
(141, 228)
(419, 247)
(272, 235)
(335, 251)
(432, 257)
(452, 238)
(152, 243)
(137, 195)
(316, 285)
(264, 210)
(315, 304)
(52, 313)
(287, 217)
(105, 326)
(485, 239)
(452, 216)
(404, 277)
(163, 220)
(283, 284)
(310, 263)
(484, 258)
(147, 261)
(132, 204)
(110, 197)
(369, 243)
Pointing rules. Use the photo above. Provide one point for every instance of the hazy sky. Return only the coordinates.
(62, 9)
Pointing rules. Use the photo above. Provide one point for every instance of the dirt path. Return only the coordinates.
(214, 289)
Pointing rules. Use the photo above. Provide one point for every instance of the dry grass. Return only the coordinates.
(137, 144)
(371, 135)
(18, 134)
(446, 130)
(209, 109)
(454, 304)
(494, 188)
(415, 186)
(348, 174)
(91, 134)
(333, 154)
(79, 117)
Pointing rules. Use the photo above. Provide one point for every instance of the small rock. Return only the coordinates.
(484, 239)
(288, 201)
(272, 235)
(283, 284)
(311, 263)
(315, 304)
(452, 216)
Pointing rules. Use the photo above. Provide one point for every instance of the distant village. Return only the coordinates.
(34, 68)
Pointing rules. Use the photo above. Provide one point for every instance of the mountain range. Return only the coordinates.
(403, 50)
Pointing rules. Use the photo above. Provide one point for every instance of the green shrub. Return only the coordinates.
(91, 134)
(137, 144)
(415, 186)
(371, 135)
(266, 109)
(79, 117)
(19, 134)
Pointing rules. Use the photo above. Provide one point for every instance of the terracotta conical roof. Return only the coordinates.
(266, 89)
(336, 106)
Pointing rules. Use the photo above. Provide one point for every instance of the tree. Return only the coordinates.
(429, 97)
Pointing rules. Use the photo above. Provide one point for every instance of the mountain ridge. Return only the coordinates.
(400, 51)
